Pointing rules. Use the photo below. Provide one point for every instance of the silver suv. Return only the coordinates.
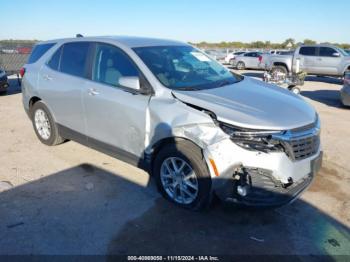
(170, 109)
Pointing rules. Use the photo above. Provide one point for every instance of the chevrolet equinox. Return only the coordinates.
(170, 109)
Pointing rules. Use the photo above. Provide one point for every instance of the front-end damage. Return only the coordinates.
(262, 174)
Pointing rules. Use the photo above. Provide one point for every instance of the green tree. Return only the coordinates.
(309, 42)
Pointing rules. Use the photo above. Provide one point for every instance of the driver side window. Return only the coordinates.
(110, 63)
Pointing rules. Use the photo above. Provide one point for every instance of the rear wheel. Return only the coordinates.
(240, 65)
(182, 175)
(279, 70)
(44, 126)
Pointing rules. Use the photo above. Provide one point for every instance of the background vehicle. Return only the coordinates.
(218, 55)
(167, 107)
(313, 59)
(230, 56)
(345, 91)
(3, 81)
(250, 60)
(277, 52)
(348, 51)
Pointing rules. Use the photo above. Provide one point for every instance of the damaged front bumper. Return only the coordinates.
(261, 179)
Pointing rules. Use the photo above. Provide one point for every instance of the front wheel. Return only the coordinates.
(182, 175)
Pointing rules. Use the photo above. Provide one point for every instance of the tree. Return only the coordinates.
(290, 43)
(309, 42)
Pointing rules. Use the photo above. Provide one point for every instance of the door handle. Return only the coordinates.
(93, 92)
(47, 77)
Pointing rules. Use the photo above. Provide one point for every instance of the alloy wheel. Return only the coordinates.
(42, 124)
(179, 180)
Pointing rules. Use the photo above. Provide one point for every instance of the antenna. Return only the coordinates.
(79, 35)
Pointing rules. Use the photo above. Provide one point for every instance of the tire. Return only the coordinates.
(193, 158)
(279, 68)
(41, 114)
(240, 65)
(294, 89)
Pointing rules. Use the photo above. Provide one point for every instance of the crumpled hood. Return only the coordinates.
(252, 104)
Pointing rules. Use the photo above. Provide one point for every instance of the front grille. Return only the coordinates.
(304, 147)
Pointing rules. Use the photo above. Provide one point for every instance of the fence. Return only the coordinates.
(12, 63)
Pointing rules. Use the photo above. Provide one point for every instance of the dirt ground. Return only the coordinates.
(70, 199)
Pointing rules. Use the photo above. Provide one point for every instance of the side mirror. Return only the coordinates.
(336, 54)
(132, 82)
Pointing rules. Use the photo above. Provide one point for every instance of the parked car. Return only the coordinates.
(167, 107)
(3, 81)
(249, 60)
(313, 59)
(218, 55)
(277, 52)
(230, 56)
(345, 91)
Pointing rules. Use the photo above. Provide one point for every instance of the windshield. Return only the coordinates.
(185, 68)
(343, 52)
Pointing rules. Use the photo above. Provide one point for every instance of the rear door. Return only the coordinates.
(115, 116)
(61, 82)
(308, 59)
(328, 61)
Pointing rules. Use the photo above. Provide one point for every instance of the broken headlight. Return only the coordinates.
(250, 139)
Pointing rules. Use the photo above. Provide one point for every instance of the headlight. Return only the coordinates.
(257, 140)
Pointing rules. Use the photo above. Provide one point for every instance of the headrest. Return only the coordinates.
(110, 62)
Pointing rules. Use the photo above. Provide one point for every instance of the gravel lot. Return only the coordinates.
(70, 199)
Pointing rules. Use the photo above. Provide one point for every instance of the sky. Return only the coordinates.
(185, 20)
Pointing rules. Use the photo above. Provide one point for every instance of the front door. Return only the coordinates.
(115, 117)
(329, 60)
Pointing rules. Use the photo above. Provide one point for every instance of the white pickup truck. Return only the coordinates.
(325, 60)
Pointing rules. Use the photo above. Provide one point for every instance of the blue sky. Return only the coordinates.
(186, 20)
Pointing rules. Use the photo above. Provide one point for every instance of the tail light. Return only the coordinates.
(260, 58)
(22, 71)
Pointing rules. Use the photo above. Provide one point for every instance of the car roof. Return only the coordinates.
(129, 41)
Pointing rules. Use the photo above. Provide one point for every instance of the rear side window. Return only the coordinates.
(308, 51)
(38, 52)
(73, 58)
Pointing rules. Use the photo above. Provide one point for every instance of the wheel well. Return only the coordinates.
(280, 64)
(33, 100)
(166, 141)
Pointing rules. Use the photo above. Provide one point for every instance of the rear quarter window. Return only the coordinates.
(38, 52)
